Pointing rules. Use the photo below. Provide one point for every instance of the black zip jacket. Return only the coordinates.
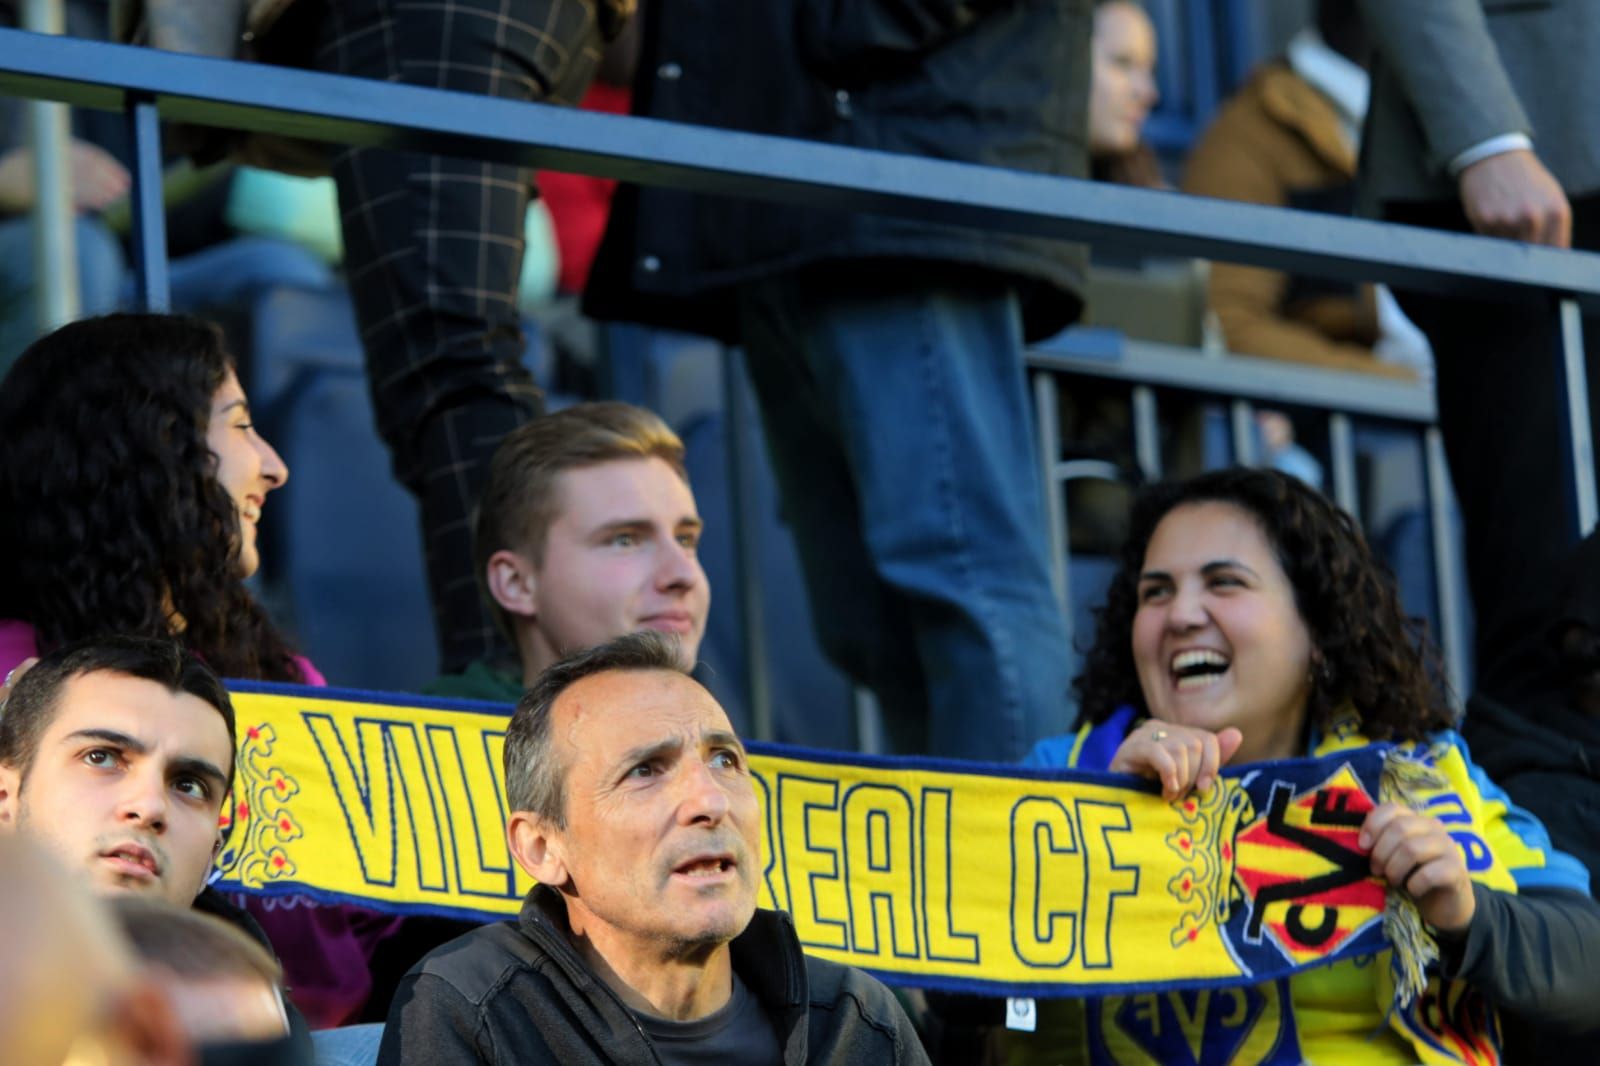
(518, 992)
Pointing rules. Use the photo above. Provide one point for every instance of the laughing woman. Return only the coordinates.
(131, 482)
(1250, 622)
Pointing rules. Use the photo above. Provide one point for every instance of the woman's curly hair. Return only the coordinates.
(1372, 657)
(111, 515)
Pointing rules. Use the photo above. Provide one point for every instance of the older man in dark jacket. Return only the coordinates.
(885, 353)
(633, 806)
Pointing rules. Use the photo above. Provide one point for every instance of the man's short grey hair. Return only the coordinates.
(535, 778)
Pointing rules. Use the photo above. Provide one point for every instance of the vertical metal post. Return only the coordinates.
(1146, 433)
(869, 722)
(1579, 439)
(55, 251)
(1242, 421)
(1341, 443)
(152, 292)
(1445, 564)
(746, 546)
(1046, 417)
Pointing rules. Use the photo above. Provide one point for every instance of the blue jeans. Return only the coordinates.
(349, 1045)
(101, 272)
(231, 273)
(895, 406)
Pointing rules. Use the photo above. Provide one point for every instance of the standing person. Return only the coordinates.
(1290, 137)
(1480, 121)
(131, 484)
(633, 806)
(886, 354)
(1122, 90)
(433, 249)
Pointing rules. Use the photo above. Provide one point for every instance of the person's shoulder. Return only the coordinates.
(480, 964)
(479, 681)
(845, 994)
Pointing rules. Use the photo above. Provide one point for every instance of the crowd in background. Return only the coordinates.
(1247, 618)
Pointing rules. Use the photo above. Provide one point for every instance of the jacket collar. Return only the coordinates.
(766, 956)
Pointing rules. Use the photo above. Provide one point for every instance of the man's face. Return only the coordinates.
(127, 785)
(619, 557)
(662, 843)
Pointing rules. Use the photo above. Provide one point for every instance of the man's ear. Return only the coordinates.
(512, 583)
(538, 847)
(10, 787)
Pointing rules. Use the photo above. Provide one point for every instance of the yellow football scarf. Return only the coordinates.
(926, 872)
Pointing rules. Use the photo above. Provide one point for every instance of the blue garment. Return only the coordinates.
(1093, 746)
(348, 1045)
(1343, 1012)
(230, 274)
(895, 408)
(101, 269)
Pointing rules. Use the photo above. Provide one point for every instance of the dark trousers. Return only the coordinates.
(1501, 410)
(433, 249)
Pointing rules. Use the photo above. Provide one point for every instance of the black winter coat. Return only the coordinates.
(996, 82)
(518, 992)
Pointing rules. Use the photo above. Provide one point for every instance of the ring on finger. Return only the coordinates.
(1158, 733)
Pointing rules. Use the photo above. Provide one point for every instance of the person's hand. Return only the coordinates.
(1512, 195)
(97, 178)
(14, 676)
(1180, 757)
(1414, 853)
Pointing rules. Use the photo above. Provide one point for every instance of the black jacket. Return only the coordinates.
(996, 82)
(518, 992)
(1547, 757)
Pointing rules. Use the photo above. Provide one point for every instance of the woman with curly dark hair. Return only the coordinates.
(1249, 621)
(131, 483)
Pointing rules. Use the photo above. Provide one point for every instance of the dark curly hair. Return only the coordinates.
(1373, 657)
(111, 515)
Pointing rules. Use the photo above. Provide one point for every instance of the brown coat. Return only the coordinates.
(1276, 140)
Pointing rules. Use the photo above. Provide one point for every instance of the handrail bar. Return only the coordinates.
(1110, 356)
(358, 111)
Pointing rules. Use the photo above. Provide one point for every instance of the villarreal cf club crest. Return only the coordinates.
(1286, 886)
(1307, 887)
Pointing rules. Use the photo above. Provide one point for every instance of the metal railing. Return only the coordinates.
(149, 86)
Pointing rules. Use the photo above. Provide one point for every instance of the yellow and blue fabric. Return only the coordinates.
(1341, 1011)
(1209, 920)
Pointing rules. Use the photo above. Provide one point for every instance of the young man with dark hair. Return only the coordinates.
(633, 807)
(115, 758)
(587, 530)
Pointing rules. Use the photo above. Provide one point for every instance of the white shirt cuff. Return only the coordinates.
(1505, 142)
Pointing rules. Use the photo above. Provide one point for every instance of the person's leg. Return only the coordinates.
(860, 623)
(433, 248)
(102, 269)
(348, 1045)
(230, 273)
(919, 377)
(1500, 410)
